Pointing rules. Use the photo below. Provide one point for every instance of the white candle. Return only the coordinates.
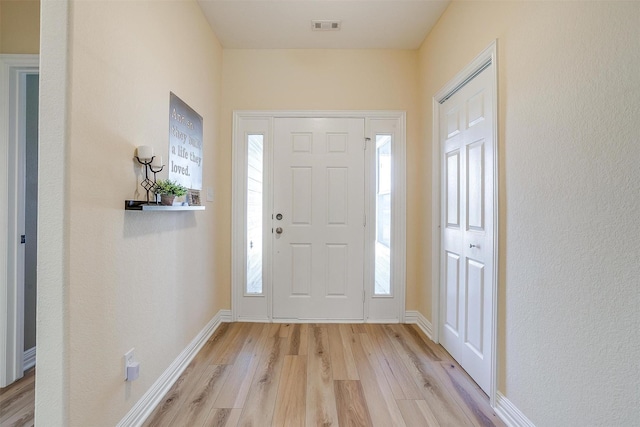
(157, 162)
(145, 152)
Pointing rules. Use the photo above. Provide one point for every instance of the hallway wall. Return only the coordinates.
(132, 279)
(569, 102)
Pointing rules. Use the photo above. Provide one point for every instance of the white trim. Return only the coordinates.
(247, 307)
(13, 69)
(29, 358)
(52, 405)
(253, 319)
(416, 318)
(243, 121)
(490, 53)
(509, 413)
(145, 406)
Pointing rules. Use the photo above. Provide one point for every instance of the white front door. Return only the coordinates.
(318, 223)
(467, 165)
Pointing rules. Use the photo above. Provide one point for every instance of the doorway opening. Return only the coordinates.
(465, 219)
(19, 79)
(318, 199)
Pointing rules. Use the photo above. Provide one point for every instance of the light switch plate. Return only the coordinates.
(209, 194)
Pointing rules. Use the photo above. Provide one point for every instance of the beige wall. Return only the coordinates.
(569, 102)
(134, 279)
(19, 26)
(330, 80)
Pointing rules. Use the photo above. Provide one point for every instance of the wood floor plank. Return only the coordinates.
(427, 413)
(234, 343)
(472, 399)
(303, 349)
(348, 338)
(17, 402)
(342, 362)
(260, 403)
(335, 348)
(414, 415)
(351, 404)
(216, 344)
(321, 400)
(17, 407)
(290, 403)
(21, 418)
(356, 328)
(285, 329)
(166, 410)
(223, 417)
(274, 330)
(394, 370)
(264, 385)
(200, 400)
(294, 340)
(444, 405)
(236, 387)
(411, 332)
(24, 384)
(384, 411)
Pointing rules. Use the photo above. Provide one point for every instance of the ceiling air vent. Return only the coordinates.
(321, 25)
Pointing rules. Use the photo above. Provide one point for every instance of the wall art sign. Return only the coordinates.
(185, 144)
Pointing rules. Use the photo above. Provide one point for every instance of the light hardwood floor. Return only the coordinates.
(253, 374)
(17, 402)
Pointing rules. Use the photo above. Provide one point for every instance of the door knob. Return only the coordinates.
(279, 230)
(471, 246)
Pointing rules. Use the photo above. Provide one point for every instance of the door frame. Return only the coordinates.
(489, 54)
(377, 309)
(13, 72)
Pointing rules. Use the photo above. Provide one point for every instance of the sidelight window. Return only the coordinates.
(255, 180)
(383, 216)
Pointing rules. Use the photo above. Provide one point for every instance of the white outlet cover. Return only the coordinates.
(128, 360)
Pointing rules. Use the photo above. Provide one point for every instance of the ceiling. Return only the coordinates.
(278, 24)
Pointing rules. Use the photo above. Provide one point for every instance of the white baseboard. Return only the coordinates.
(415, 317)
(29, 360)
(145, 406)
(253, 319)
(511, 415)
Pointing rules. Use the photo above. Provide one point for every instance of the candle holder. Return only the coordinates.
(147, 183)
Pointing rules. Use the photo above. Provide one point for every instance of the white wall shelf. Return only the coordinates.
(139, 205)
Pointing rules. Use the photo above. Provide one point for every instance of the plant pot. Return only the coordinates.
(167, 199)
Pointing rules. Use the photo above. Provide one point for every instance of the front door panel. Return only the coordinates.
(318, 244)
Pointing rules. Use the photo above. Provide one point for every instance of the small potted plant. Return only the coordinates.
(168, 191)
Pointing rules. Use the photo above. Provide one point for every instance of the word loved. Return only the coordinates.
(182, 170)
